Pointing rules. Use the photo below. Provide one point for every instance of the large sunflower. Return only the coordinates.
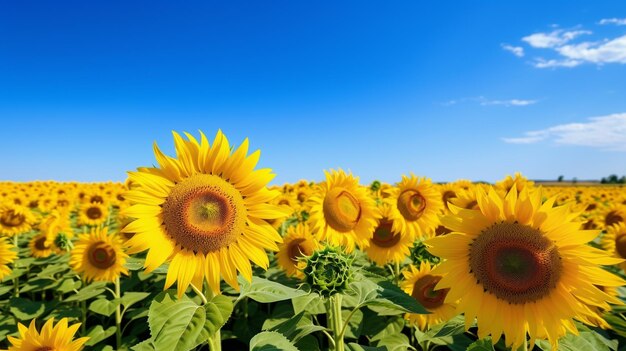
(521, 267)
(15, 219)
(342, 213)
(99, 256)
(387, 246)
(416, 206)
(298, 243)
(420, 284)
(7, 255)
(52, 337)
(203, 211)
(614, 241)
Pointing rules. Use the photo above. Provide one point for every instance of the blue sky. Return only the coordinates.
(443, 89)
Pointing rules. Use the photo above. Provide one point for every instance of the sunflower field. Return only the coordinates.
(201, 253)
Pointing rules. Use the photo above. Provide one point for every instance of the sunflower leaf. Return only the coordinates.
(218, 310)
(265, 291)
(271, 341)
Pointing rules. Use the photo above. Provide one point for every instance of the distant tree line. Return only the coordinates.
(613, 179)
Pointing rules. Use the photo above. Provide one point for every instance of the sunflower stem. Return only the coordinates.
(118, 315)
(336, 322)
(83, 325)
(397, 272)
(215, 341)
(16, 280)
(199, 293)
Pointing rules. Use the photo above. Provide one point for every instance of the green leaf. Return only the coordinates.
(90, 291)
(355, 324)
(265, 291)
(384, 297)
(147, 345)
(131, 298)
(271, 341)
(68, 285)
(586, 340)
(396, 342)
(134, 264)
(311, 303)
(218, 310)
(25, 309)
(98, 333)
(481, 345)
(103, 307)
(308, 343)
(297, 327)
(356, 347)
(176, 324)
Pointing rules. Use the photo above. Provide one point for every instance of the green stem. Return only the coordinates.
(199, 293)
(337, 325)
(215, 341)
(83, 325)
(16, 280)
(397, 272)
(118, 315)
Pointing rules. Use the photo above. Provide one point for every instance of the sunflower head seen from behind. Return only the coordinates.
(204, 212)
(521, 267)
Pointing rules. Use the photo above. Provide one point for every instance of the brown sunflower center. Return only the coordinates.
(94, 213)
(204, 213)
(12, 219)
(96, 198)
(411, 204)
(441, 230)
(446, 196)
(101, 255)
(424, 292)
(45, 348)
(342, 209)
(472, 205)
(302, 196)
(515, 262)
(613, 217)
(297, 250)
(384, 236)
(620, 245)
(40, 243)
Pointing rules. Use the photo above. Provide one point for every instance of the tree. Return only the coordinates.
(560, 179)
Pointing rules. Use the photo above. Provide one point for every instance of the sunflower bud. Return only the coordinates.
(328, 271)
(420, 254)
(63, 242)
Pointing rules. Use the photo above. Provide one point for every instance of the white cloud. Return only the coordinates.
(516, 50)
(553, 39)
(615, 21)
(511, 102)
(543, 63)
(608, 51)
(605, 132)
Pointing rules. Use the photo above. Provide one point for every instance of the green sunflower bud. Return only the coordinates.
(63, 242)
(329, 271)
(420, 254)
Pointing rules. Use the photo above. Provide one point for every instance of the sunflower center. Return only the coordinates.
(447, 195)
(44, 348)
(40, 244)
(94, 213)
(515, 262)
(341, 209)
(424, 292)
(613, 217)
(411, 204)
(12, 219)
(296, 250)
(472, 205)
(620, 245)
(384, 236)
(101, 255)
(204, 213)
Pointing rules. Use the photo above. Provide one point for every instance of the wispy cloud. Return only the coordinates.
(605, 132)
(553, 39)
(567, 49)
(615, 21)
(516, 50)
(483, 101)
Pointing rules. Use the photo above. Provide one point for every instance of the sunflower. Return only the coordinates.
(342, 213)
(99, 256)
(521, 266)
(15, 219)
(40, 247)
(7, 255)
(518, 181)
(420, 283)
(448, 193)
(298, 243)
(416, 206)
(386, 245)
(612, 214)
(52, 337)
(92, 214)
(204, 211)
(614, 241)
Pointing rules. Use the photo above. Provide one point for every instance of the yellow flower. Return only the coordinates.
(7, 255)
(99, 256)
(205, 212)
(52, 337)
(520, 266)
(15, 219)
(614, 241)
(342, 213)
(420, 283)
(92, 214)
(387, 246)
(296, 244)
